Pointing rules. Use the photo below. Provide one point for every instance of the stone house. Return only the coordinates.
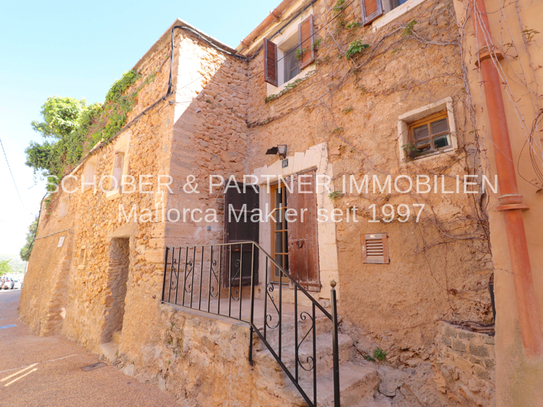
(358, 114)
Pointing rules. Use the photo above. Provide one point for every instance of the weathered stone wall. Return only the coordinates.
(219, 123)
(44, 294)
(439, 266)
(99, 219)
(209, 137)
(464, 366)
(203, 361)
(117, 277)
(94, 219)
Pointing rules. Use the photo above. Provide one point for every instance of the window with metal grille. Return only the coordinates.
(375, 248)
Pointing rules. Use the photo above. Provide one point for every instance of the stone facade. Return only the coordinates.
(344, 117)
(465, 365)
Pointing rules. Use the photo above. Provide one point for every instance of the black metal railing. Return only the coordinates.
(222, 279)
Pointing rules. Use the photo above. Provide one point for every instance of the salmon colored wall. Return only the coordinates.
(519, 380)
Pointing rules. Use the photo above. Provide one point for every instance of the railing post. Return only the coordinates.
(253, 271)
(165, 270)
(333, 303)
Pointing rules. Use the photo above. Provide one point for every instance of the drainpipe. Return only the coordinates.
(274, 16)
(511, 204)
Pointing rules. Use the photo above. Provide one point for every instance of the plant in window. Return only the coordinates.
(429, 135)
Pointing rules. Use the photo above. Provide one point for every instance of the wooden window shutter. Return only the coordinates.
(306, 39)
(270, 62)
(375, 248)
(371, 9)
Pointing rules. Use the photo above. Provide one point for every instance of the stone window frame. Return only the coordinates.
(90, 172)
(284, 42)
(409, 117)
(121, 147)
(64, 203)
(390, 15)
(82, 258)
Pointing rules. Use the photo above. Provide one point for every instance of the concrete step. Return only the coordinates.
(117, 337)
(109, 351)
(357, 386)
(268, 366)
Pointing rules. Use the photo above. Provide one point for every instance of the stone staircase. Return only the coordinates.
(359, 379)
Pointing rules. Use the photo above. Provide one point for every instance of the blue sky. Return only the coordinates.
(77, 49)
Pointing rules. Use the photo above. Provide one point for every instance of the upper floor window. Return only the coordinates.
(120, 165)
(291, 65)
(118, 170)
(90, 174)
(427, 131)
(394, 3)
(429, 135)
(373, 9)
(286, 59)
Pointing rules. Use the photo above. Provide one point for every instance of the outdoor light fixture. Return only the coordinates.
(280, 149)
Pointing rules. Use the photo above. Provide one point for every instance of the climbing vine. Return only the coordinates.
(71, 128)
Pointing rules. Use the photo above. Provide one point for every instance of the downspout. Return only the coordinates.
(511, 204)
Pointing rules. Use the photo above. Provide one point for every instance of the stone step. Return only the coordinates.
(357, 386)
(268, 366)
(117, 337)
(323, 325)
(109, 351)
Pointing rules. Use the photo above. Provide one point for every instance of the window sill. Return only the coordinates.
(407, 161)
(394, 14)
(282, 89)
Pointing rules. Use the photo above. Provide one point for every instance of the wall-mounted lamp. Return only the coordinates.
(280, 149)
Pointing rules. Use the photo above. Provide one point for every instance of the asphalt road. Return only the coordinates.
(46, 371)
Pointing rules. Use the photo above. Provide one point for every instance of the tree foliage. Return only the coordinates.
(5, 267)
(71, 128)
(30, 236)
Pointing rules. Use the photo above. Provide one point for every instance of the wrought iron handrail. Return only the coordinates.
(225, 279)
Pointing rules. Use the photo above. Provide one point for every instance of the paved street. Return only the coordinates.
(36, 371)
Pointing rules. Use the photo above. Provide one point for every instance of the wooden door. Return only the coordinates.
(239, 205)
(303, 249)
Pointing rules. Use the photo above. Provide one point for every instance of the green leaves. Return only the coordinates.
(78, 127)
(121, 85)
(355, 47)
(61, 115)
(30, 236)
(5, 267)
(409, 28)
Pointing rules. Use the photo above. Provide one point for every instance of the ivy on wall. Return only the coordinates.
(71, 128)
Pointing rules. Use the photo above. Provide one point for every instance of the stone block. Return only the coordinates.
(481, 373)
(446, 341)
(459, 345)
(450, 331)
(478, 350)
(465, 334)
